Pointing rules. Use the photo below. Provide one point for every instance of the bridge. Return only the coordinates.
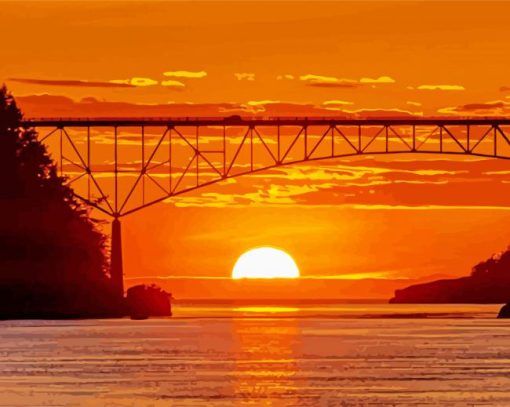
(122, 165)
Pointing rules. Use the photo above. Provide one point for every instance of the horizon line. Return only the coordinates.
(346, 277)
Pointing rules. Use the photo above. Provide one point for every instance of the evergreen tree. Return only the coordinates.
(52, 255)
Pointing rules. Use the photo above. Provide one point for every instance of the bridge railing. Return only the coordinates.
(260, 120)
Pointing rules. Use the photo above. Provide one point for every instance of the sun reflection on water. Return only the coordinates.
(265, 357)
(266, 309)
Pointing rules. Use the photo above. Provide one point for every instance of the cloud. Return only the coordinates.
(172, 84)
(256, 106)
(380, 79)
(411, 103)
(504, 88)
(247, 76)
(336, 105)
(337, 102)
(52, 106)
(186, 74)
(352, 276)
(440, 87)
(262, 102)
(481, 106)
(318, 78)
(328, 81)
(382, 112)
(334, 82)
(72, 83)
(497, 107)
(135, 81)
(285, 76)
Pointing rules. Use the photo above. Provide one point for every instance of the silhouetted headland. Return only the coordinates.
(489, 283)
(53, 258)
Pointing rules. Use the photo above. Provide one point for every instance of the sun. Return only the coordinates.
(265, 262)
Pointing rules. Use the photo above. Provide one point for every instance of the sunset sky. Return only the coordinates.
(394, 219)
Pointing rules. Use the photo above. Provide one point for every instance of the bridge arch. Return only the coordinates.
(259, 144)
(304, 161)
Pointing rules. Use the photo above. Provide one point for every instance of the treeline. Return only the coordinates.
(53, 258)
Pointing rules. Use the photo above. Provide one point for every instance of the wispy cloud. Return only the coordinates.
(497, 107)
(440, 87)
(328, 81)
(262, 102)
(351, 276)
(335, 82)
(285, 76)
(135, 81)
(51, 105)
(72, 83)
(186, 74)
(256, 106)
(246, 76)
(318, 78)
(380, 79)
(173, 84)
(391, 112)
(337, 103)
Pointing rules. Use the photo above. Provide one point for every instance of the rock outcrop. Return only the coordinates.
(504, 312)
(145, 301)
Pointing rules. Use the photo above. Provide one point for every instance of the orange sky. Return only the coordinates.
(397, 218)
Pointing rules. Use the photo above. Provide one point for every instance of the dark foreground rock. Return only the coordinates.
(489, 283)
(504, 312)
(145, 301)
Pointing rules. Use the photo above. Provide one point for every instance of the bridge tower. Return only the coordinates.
(116, 270)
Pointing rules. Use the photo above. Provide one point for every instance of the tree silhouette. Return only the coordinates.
(52, 256)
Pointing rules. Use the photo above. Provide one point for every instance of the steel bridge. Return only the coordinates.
(122, 165)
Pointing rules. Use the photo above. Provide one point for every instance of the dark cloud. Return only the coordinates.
(71, 83)
(482, 106)
(61, 106)
(497, 107)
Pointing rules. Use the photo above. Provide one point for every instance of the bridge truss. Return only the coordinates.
(121, 166)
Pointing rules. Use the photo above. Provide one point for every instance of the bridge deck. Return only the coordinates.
(258, 121)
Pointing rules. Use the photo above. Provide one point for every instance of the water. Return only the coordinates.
(238, 355)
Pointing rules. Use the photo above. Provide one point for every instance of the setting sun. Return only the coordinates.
(265, 262)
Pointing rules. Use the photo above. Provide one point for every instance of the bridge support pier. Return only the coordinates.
(116, 271)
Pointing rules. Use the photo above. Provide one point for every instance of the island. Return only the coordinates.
(488, 283)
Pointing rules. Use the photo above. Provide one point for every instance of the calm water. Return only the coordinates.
(316, 355)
